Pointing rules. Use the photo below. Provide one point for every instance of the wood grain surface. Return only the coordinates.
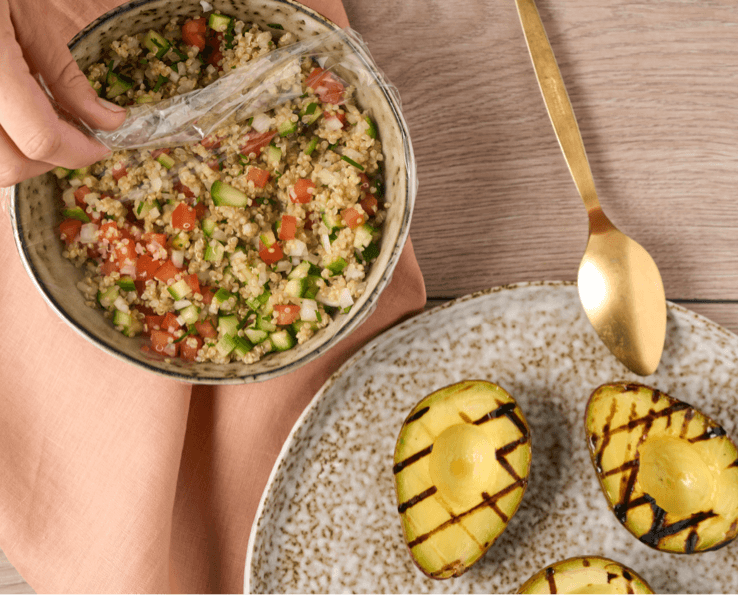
(655, 89)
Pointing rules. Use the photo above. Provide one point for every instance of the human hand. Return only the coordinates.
(33, 138)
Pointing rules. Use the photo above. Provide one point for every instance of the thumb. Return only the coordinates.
(54, 62)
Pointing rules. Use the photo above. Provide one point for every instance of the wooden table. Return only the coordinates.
(655, 89)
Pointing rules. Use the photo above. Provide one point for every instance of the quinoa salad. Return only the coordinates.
(244, 243)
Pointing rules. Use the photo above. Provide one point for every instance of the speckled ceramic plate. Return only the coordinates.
(328, 519)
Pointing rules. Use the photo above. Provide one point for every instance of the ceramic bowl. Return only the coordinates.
(35, 213)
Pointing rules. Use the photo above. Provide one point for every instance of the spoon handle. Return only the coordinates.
(557, 102)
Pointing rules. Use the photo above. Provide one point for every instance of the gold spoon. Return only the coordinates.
(619, 284)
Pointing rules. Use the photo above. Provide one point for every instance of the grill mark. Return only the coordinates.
(551, 580)
(733, 464)
(685, 424)
(412, 459)
(659, 530)
(634, 463)
(652, 416)
(605, 435)
(495, 413)
(611, 577)
(417, 415)
(455, 519)
(691, 543)
(586, 563)
(493, 506)
(417, 499)
(627, 575)
(511, 446)
(465, 418)
(621, 508)
(709, 433)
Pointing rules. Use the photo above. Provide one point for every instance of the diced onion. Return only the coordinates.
(178, 258)
(179, 304)
(154, 213)
(353, 154)
(88, 233)
(128, 270)
(220, 235)
(345, 300)
(296, 247)
(121, 304)
(261, 123)
(68, 198)
(174, 76)
(309, 310)
(333, 124)
(283, 265)
(326, 242)
(206, 6)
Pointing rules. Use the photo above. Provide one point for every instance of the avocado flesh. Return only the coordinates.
(586, 574)
(461, 467)
(669, 473)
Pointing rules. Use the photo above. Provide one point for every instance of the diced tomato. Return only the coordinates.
(79, 196)
(286, 313)
(214, 55)
(125, 253)
(365, 182)
(119, 171)
(370, 205)
(109, 231)
(200, 209)
(326, 86)
(271, 255)
(206, 329)
(180, 187)
(207, 295)
(140, 285)
(288, 227)
(161, 342)
(210, 142)
(193, 32)
(184, 217)
(309, 222)
(259, 177)
(170, 323)
(189, 347)
(108, 267)
(146, 267)
(256, 141)
(69, 230)
(152, 323)
(352, 217)
(302, 192)
(166, 271)
(92, 251)
(193, 282)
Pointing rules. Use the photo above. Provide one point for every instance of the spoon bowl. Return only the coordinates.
(619, 283)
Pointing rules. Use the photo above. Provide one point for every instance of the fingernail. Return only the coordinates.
(110, 106)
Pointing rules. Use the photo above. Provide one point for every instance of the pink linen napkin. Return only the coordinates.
(116, 480)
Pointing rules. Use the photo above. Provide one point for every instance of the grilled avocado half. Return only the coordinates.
(461, 467)
(669, 472)
(586, 574)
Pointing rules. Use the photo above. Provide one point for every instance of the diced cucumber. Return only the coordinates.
(257, 303)
(208, 227)
(311, 146)
(268, 239)
(287, 127)
(221, 297)
(220, 23)
(313, 286)
(264, 324)
(144, 99)
(372, 130)
(282, 340)
(273, 155)
(121, 318)
(61, 172)
(107, 298)
(190, 314)
(363, 236)
(144, 208)
(256, 336)
(228, 325)
(214, 251)
(336, 267)
(223, 194)
(76, 213)
(298, 325)
(179, 290)
(311, 113)
(225, 345)
(166, 160)
(331, 221)
(243, 346)
(120, 84)
(155, 43)
(301, 270)
(80, 173)
(126, 284)
(179, 241)
(296, 287)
